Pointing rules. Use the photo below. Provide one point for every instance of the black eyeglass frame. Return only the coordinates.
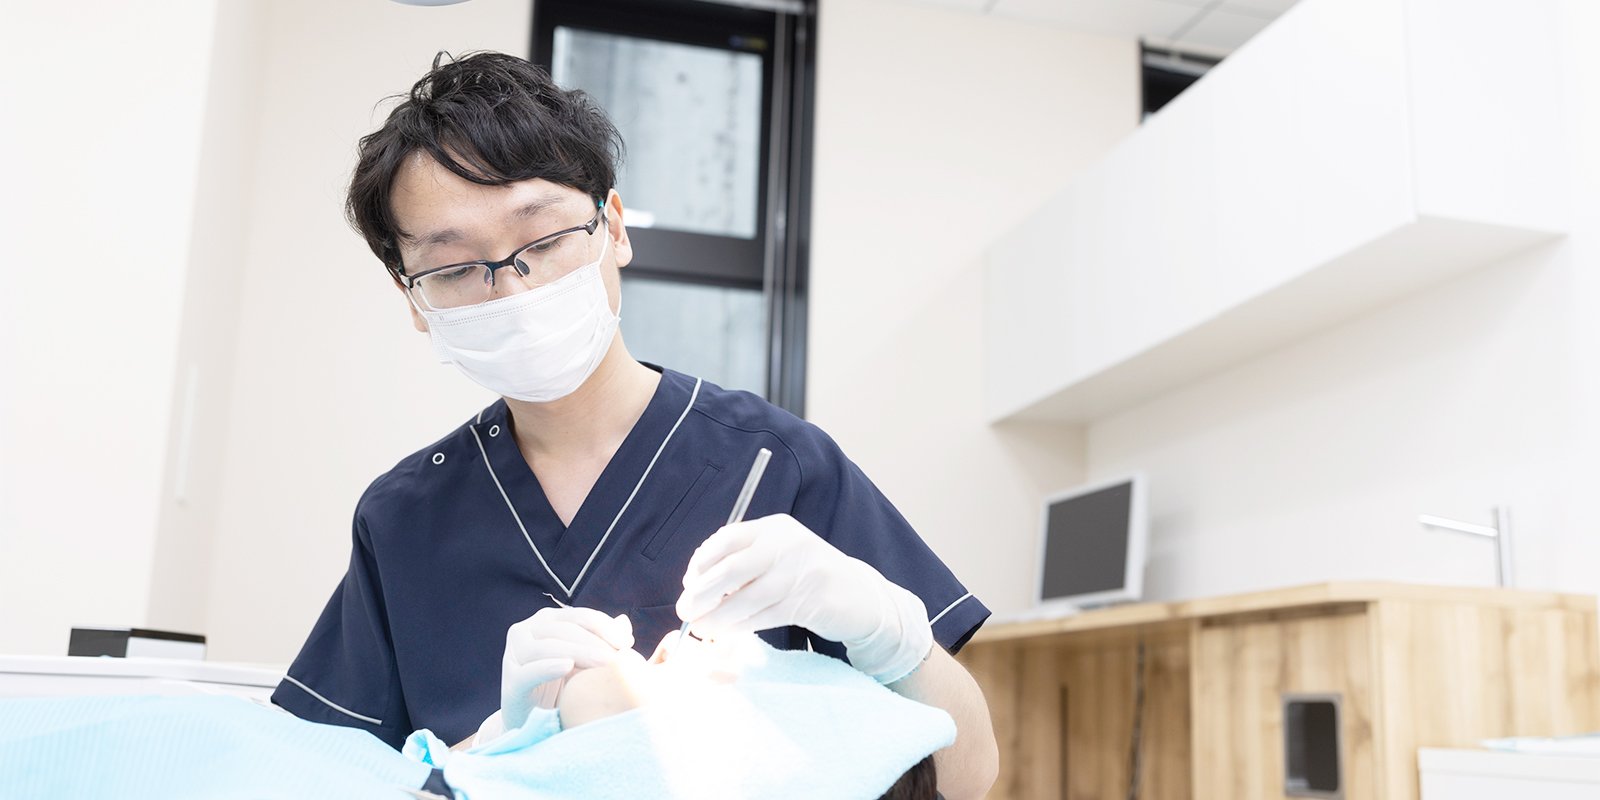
(589, 227)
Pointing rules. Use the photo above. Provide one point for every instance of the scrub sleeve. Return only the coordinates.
(345, 673)
(839, 503)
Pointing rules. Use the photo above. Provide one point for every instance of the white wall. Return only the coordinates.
(99, 140)
(1312, 462)
(201, 387)
(930, 139)
(330, 385)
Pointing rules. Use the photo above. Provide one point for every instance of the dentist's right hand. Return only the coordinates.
(545, 649)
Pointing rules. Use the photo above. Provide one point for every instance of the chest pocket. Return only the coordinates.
(651, 624)
(683, 511)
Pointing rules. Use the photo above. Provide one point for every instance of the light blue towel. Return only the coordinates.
(794, 725)
(162, 748)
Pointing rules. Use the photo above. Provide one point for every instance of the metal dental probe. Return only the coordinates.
(742, 504)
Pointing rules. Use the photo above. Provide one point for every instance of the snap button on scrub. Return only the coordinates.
(494, 430)
(438, 458)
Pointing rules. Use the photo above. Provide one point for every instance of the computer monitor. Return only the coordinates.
(1091, 545)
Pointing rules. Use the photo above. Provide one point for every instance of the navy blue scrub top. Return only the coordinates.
(458, 542)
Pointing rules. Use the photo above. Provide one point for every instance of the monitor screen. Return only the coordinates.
(1087, 541)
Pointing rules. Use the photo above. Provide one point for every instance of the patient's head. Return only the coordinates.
(681, 671)
(921, 782)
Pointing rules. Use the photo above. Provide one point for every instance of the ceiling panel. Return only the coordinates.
(1116, 17)
(1270, 8)
(1214, 27)
(1223, 30)
(979, 6)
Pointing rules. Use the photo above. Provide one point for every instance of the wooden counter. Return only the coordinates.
(1409, 666)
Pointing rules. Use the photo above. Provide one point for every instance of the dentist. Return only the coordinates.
(580, 517)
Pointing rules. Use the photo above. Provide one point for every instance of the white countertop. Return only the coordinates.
(257, 675)
(1483, 774)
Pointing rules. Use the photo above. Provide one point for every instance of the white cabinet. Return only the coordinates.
(1354, 152)
(1488, 775)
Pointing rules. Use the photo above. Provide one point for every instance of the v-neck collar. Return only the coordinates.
(565, 552)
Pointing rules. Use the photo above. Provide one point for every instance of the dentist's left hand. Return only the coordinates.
(545, 649)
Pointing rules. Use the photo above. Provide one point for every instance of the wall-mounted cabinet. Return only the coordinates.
(1353, 153)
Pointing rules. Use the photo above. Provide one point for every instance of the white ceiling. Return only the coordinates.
(1208, 26)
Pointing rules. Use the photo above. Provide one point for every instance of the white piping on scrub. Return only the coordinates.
(614, 520)
(515, 515)
(940, 615)
(330, 704)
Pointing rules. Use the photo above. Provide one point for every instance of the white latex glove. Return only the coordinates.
(774, 571)
(543, 650)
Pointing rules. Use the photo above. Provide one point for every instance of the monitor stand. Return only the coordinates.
(1036, 614)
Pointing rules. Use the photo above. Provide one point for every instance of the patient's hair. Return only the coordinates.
(492, 119)
(921, 782)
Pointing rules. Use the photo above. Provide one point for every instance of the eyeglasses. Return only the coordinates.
(543, 260)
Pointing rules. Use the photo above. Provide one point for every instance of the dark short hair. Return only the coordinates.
(492, 119)
(921, 782)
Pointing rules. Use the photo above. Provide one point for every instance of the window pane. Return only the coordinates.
(691, 118)
(713, 332)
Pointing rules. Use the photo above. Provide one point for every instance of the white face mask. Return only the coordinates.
(539, 345)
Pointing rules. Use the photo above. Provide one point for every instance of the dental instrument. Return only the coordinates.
(741, 504)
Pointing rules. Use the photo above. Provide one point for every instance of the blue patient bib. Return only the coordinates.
(163, 748)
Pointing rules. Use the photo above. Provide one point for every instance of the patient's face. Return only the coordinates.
(676, 668)
(708, 726)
